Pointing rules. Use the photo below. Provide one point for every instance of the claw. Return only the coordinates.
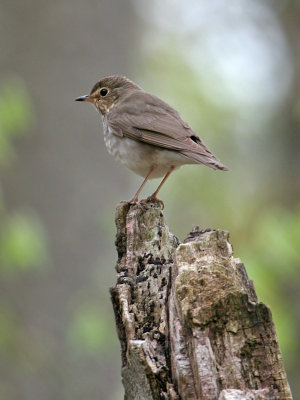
(154, 198)
(132, 202)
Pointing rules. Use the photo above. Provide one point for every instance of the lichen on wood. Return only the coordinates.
(187, 316)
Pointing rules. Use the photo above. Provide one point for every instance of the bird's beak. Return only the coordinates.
(86, 97)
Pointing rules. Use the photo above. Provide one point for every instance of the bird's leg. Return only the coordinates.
(135, 198)
(153, 196)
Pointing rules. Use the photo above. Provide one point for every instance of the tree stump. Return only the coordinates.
(187, 316)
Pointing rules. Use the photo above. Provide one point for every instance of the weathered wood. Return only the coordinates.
(187, 316)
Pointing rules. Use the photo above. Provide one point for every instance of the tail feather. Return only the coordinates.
(209, 161)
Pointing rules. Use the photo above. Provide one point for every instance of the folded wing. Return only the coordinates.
(153, 121)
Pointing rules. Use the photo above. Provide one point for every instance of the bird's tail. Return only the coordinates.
(209, 160)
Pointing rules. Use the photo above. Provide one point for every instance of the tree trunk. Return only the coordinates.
(187, 316)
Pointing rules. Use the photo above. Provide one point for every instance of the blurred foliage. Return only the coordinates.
(22, 239)
(22, 243)
(16, 116)
(90, 329)
(272, 257)
(9, 330)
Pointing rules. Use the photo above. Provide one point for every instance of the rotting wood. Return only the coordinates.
(187, 316)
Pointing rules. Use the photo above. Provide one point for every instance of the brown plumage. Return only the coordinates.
(144, 133)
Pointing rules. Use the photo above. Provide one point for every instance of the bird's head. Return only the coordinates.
(106, 93)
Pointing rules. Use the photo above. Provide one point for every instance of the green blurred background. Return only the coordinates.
(232, 69)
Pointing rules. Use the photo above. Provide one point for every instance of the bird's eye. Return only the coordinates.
(103, 92)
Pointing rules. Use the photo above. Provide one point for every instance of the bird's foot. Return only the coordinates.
(130, 202)
(154, 198)
(133, 202)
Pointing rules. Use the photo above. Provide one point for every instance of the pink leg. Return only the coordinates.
(153, 196)
(135, 198)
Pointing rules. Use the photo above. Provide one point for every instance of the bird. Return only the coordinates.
(144, 133)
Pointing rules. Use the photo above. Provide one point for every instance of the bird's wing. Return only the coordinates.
(144, 117)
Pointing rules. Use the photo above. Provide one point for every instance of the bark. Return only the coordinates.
(187, 316)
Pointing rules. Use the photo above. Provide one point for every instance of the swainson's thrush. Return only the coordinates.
(144, 133)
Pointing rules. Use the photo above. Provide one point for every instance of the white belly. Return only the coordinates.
(141, 157)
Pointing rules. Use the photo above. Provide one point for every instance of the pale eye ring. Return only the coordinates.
(103, 92)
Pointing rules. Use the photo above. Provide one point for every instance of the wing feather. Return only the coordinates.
(144, 117)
